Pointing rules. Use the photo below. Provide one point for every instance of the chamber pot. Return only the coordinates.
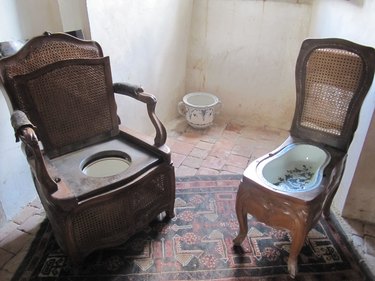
(199, 109)
(297, 167)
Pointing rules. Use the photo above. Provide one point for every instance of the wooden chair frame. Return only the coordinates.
(86, 213)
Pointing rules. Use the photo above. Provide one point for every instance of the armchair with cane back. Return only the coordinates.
(98, 182)
(293, 185)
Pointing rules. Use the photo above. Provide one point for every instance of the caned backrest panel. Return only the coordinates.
(41, 51)
(49, 52)
(332, 76)
(64, 86)
(71, 102)
(332, 79)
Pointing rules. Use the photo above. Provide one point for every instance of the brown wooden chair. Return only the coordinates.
(333, 77)
(99, 183)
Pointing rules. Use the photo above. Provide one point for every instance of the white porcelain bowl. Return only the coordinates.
(297, 167)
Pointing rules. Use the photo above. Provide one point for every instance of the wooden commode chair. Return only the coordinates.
(98, 183)
(293, 185)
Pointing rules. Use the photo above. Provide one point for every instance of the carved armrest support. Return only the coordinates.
(24, 131)
(150, 100)
(56, 188)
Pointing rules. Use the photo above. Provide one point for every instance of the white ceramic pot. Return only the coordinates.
(199, 109)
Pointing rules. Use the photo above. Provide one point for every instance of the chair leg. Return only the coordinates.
(328, 203)
(170, 212)
(298, 239)
(241, 216)
(327, 206)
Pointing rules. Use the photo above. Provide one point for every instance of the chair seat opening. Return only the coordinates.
(106, 164)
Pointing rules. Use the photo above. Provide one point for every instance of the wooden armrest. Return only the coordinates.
(127, 89)
(19, 122)
(150, 100)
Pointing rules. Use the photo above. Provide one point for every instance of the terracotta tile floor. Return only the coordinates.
(225, 148)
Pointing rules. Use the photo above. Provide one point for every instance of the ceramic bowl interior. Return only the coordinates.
(200, 99)
(297, 167)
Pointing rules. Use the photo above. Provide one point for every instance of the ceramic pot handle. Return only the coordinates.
(218, 107)
(181, 108)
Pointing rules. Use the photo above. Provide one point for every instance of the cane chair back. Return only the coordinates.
(332, 80)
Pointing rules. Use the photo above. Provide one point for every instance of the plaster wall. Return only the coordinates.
(36, 17)
(73, 14)
(245, 53)
(147, 44)
(355, 22)
(9, 18)
(360, 200)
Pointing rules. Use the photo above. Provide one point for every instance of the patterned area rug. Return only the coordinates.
(197, 245)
